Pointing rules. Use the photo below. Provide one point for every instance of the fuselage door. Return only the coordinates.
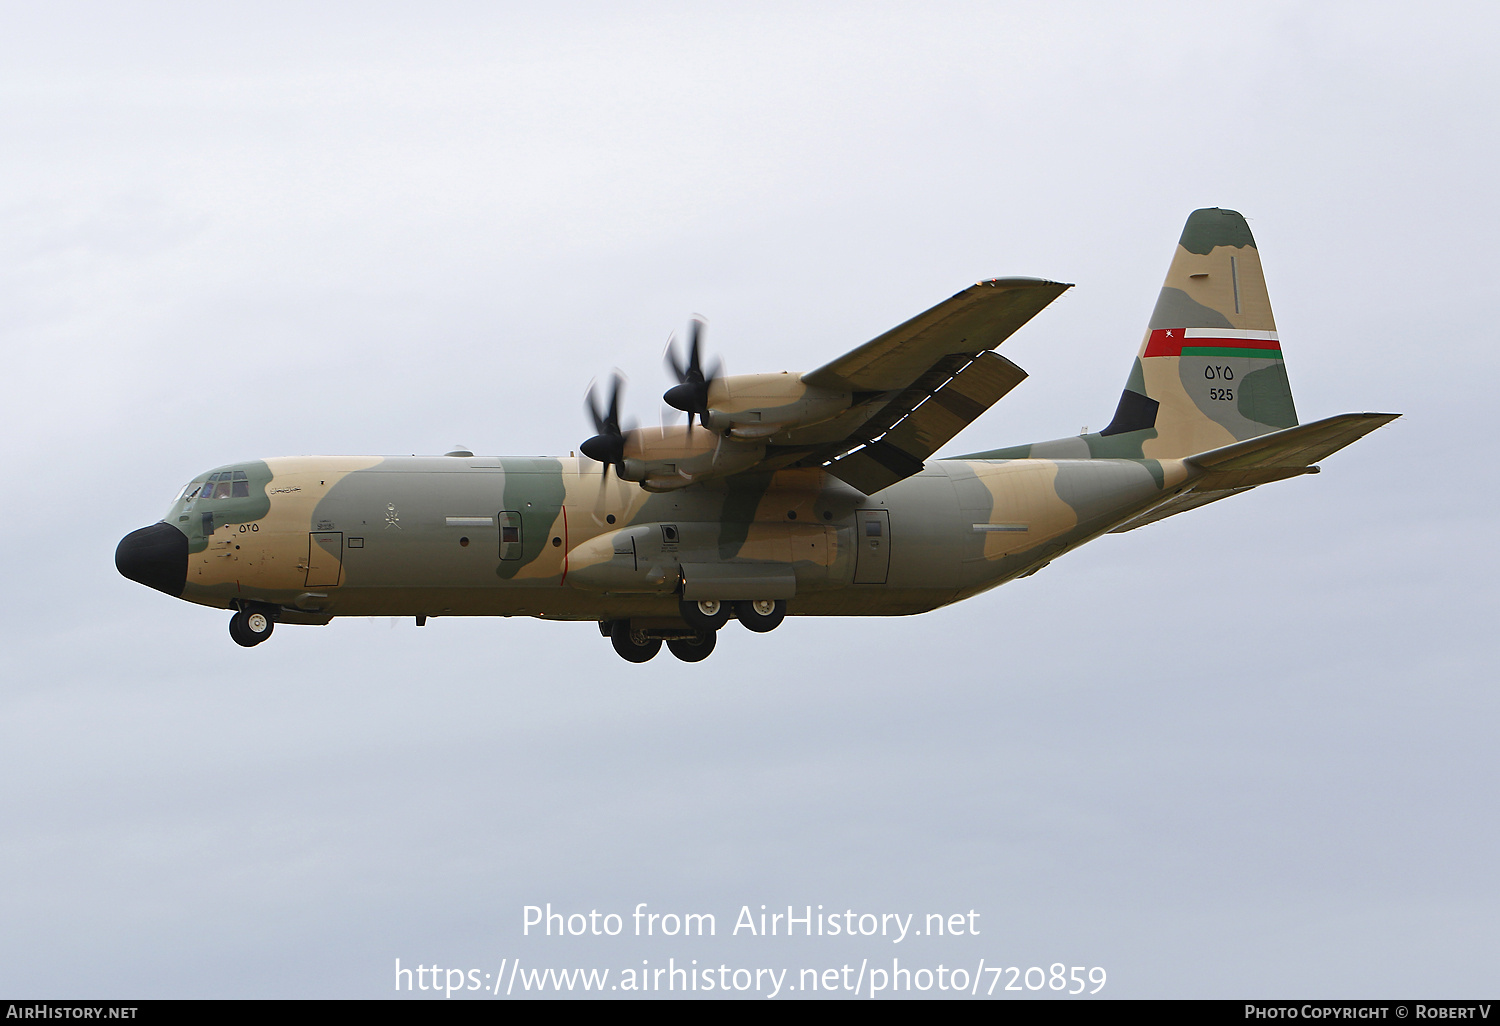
(872, 529)
(510, 534)
(325, 558)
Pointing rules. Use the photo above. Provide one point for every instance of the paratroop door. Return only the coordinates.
(325, 557)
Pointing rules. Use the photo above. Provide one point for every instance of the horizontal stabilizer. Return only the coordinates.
(1282, 454)
(1179, 503)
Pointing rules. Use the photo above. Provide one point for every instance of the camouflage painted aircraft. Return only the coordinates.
(784, 494)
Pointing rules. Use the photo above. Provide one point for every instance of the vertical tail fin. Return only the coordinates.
(1209, 371)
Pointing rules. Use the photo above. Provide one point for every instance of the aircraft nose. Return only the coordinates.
(155, 556)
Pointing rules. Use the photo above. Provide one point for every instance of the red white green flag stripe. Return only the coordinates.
(1222, 342)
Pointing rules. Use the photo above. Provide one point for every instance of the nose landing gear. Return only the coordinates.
(250, 626)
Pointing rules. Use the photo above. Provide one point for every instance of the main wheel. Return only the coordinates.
(761, 615)
(249, 627)
(633, 646)
(706, 614)
(692, 650)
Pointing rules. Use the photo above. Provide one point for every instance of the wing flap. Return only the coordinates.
(956, 405)
(874, 467)
(978, 318)
(934, 419)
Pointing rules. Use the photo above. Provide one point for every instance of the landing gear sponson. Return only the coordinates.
(694, 640)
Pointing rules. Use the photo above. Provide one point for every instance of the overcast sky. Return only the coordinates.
(1248, 751)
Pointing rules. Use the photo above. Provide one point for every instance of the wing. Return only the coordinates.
(871, 417)
(978, 318)
(906, 430)
(922, 382)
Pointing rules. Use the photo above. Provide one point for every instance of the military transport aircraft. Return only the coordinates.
(810, 494)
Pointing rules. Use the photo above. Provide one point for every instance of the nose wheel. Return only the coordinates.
(249, 627)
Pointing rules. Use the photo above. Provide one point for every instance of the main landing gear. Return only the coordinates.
(638, 645)
(634, 646)
(762, 615)
(707, 615)
(251, 626)
(694, 641)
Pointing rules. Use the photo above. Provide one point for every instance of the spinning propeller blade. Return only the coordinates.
(607, 446)
(690, 394)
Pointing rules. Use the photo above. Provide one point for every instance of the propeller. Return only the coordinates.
(690, 394)
(608, 445)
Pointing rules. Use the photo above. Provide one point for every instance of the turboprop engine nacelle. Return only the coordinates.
(757, 406)
(675, 457)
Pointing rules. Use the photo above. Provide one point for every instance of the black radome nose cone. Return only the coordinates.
(155, 556)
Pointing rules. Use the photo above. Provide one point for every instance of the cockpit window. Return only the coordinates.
(223, 485)
(191, 492)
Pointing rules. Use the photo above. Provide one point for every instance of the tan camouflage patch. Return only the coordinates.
(1228, 280)
(1025, 510)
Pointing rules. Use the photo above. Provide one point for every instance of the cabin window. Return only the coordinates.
(510, 534)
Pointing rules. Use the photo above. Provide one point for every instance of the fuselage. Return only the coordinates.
(318, 537)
